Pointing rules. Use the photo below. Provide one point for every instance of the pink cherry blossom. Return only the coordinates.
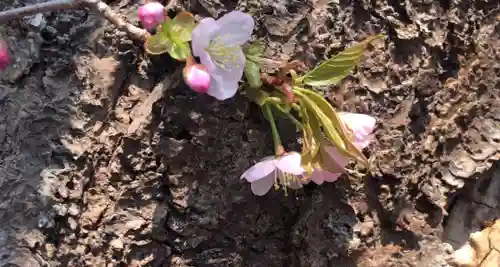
(271, 170)
(4, 55)
(197, 78)
(218, 45)
(361, 126)
(152, 14)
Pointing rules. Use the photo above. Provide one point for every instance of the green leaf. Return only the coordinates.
(179, 50)
(157, 44)
(312, 133)
(173, 37)
(322, 119)
(339, 66)
(311, 139)
(255, 49)
(181, 27)
(252, 73)
(252, 66)
(338, 130)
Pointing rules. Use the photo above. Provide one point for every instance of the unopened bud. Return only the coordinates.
(151, 14)
(4, 55)
(197, 78)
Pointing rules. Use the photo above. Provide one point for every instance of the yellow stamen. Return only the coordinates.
(222, 55)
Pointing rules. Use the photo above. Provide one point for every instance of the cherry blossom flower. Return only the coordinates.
(271, 171)
(361, 126)
(197, 78)
(4, 55)
(218, 45)
(151, 14)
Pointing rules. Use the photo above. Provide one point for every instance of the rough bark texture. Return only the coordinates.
(99, 168)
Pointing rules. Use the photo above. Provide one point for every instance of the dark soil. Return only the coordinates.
(97, 171)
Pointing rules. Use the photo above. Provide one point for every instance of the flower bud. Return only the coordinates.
(197, 78)
(4, 55)
(151, 14)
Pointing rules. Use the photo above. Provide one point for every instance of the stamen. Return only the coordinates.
(276, 186)
(222, 55)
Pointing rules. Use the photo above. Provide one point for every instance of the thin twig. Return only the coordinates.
(97, 5)
(54, 5)
(104, 10)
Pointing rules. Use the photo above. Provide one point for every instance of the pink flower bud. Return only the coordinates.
(4, 55)
(197, 78)
(151, 14)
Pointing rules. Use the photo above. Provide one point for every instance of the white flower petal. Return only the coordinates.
(207, 61)
(236, 28)
(259, 170)
(262, 186)
(229, 63)
(290, 163)
(202, 34)
(222, 89)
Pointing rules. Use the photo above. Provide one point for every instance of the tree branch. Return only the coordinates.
(104, 10)
(8, 15)
(97, 5)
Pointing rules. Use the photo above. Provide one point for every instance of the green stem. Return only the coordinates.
(297, 123)
(278, 146)
(273, 100)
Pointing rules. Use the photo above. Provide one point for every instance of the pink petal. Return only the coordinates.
(363, 142)
(330, 176)
(197, 78)
(290, 163)
(4, 55)
(236, 28)
(362, 125)
(262, 186)
(151, 14)
(260, 170)
(317, 177)
(202, 34)
(335, 155)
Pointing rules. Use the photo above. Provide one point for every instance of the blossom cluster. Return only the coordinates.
(221, 55)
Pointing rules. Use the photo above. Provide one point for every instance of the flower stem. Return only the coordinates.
(278, 146)
(297, 123)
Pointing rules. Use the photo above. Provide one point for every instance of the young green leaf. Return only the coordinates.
(252, 73)
(323, 120)
(181, 27)
(252, 53)
(157, 44)
(256, 49)
(312, 133)
(339, 66)
(334, 133)
(173, 37)
(337, 124)
(179, 50)
(310, 146)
